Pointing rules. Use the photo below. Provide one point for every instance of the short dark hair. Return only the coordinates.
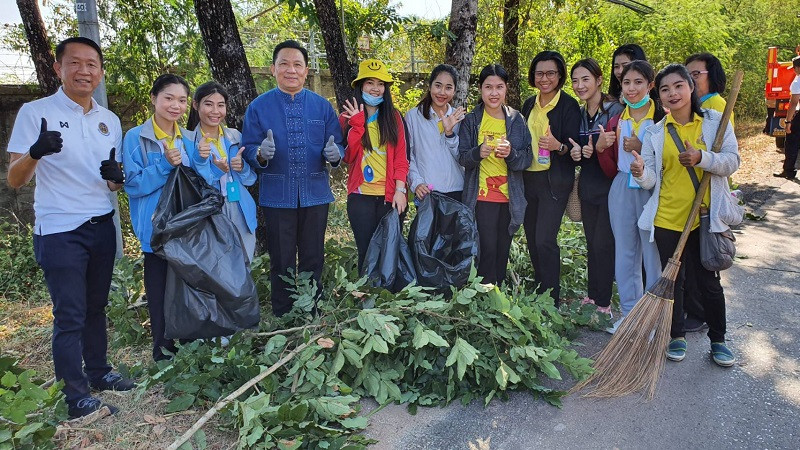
(716, 75)
(796, 61)
(62, 47)
(492, 70)
(290, 43)
(683, 72)
(203, 91)
(633, 52)
(165, 80)
(548, 55)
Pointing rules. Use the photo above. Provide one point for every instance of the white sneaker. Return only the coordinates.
(613, 328)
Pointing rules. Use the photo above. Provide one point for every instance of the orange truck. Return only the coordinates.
(777, 95)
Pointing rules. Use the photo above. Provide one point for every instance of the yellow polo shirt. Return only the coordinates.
(161, 135)
(217, 142)
(677, 190)
(537, 124)
(626, 115)
(493, 183)
(717, 103)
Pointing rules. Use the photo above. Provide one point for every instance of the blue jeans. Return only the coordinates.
(77, 267)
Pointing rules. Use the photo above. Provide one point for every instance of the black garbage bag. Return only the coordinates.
(209, 290)
(444, 242)
(388, 261)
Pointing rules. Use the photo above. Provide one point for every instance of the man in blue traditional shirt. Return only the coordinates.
(289, 135)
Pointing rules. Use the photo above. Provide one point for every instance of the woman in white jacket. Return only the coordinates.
(666, 165)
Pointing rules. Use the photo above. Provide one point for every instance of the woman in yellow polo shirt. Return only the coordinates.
(674, 157)
(709, 80)
(494, 146)
(553, 118)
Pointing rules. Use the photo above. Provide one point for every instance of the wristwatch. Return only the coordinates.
(403, 190)
(563, 148)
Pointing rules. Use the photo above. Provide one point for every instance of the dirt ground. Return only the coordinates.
(143, 424)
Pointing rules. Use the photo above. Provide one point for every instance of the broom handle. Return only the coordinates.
(706, 180)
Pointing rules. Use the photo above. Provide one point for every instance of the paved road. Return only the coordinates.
(755, 404)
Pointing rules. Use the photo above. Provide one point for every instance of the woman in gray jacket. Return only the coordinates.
(676, 153)
(494, 147)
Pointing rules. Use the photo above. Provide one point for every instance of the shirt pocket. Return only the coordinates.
(318, 185)
(272, 187)
(315, 130)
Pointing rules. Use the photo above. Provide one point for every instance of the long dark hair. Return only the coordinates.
(203, 91)
(548, 55)
(716, 74)
(632, 51)
(594, 69)
(649, 74)
(424, 105)
(491, 70)
(387, 122)
(682, 72)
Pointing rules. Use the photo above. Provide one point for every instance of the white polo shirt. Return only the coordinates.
(69, 189)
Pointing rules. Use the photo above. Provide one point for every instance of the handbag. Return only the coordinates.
(717, 250)
(574, 202)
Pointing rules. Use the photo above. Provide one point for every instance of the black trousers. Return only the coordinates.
(542, 221)
(792, 146)
(365, 213)
(495, 242)
(155, 282)
(600, 251)
(77, 268)
(296, 240)
(708, 283)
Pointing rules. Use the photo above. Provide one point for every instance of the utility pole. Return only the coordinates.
(89, 27)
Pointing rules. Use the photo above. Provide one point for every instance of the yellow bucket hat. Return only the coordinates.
(372, 68)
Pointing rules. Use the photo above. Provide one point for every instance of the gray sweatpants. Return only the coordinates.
(632, 245)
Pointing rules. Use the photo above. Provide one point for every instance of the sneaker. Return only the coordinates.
(112, 381)
(784, 174)
(692, 324)
(722, 355)
(613, 329)
(677, 349)
(88, 405)
(587, 301)
(605, 310)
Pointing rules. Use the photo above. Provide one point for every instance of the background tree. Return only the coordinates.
(226, 55)
(509, 56)
(40, 48)
(461, 49)
(342, 70)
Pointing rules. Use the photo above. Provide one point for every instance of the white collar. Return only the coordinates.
(71, 104)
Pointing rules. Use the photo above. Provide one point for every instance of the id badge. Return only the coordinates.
(232, 188)
(632, 184)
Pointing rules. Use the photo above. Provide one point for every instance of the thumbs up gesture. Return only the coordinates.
(691, 157)
(605, 139)
(637, 165)
(549, 142)
(49, 142)
(632, 144)
(266, 150)
(331, 151)
(110, 169)
(236, 162)
(204, 148)
(588, 149)
(575, 151)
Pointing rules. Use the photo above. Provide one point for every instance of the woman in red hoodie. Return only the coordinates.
(376, 153)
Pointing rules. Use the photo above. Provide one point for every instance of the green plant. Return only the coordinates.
(28, 413)
(21, 278)
(126, 306)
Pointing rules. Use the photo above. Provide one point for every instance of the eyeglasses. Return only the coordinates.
(696, 73)
(550, 74)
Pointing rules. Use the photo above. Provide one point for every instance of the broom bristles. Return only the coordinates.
(633, 359)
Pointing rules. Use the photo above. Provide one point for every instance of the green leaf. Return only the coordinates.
(358, 423)
(420, 338)
(435, 339)
(8, 380)
(338, 361)
(550, 370)
(28, 430)
(379, 345)
(180, 403)
(275, 343)
(299, 412)
(200, 439)
(352, 334)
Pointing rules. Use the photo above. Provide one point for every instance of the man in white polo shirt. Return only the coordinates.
(68, 141)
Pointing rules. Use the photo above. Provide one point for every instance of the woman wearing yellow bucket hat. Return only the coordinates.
(375, 153)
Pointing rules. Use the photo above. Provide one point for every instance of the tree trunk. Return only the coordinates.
(41, 52)
(226, 56)
(342, 71)
(509, 55)
(461, 50)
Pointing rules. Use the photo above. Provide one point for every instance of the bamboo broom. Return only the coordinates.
(633, 359)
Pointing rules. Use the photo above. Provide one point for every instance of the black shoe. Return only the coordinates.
(88, 405)
(692, 324)
(112, 381)
(785, 174)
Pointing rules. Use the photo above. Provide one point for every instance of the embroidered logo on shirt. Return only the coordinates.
(64, 124)
(103, 129)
